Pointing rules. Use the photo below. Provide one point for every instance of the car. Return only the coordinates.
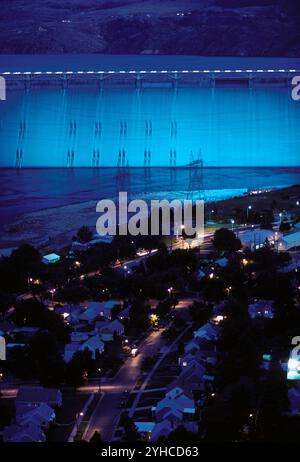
(134, 352)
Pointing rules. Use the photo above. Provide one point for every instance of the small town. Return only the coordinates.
(154, 339)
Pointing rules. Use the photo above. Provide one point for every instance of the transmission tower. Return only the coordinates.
(123, 181)
(196, 190)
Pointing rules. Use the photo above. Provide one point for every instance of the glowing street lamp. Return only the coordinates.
(170, 289)
(228, 290)
(78, 415)
(248, 209)
(52, 292)
(99, 388)
(154, 319)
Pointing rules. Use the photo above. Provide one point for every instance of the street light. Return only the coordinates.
(177, 230)
(78, 415)
(52, 291)
(170, 290)
(29, 281)
(99, 370)
(228, 289)
(248, 208)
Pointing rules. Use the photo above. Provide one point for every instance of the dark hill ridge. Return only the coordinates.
(189, 27)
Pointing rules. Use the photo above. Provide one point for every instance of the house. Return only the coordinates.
(161, 430)
(145, 429)
(297, 225)
(79, 337)
(109, 306)
(30, 397)
(289, 241)
(124, 314)
(93, 311)
(200, 274)
(191, 347)
(279, 217)
(200, 356)
(256, 238)
(175, 406)
(70, 313)
(261, 309)
(28, 433)
(42, 416)
(208, 331)
(96, 310)
(94, 345)
(200, 344)
(222, 262)
(107, 330)
(70, 350)
(192, 376)
(51, 258)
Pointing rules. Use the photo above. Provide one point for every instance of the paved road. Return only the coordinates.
(156, 366)
(106, 415)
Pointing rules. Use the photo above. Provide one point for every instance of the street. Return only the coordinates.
(107, 412)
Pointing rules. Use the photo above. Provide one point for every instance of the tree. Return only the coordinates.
(80, 365)
(6, 301)
(273, 403)
(225, 240)
(285, 226)
(139, 315)
(6, 415)
(130, 429)
(15, 271)
(84, 234)
(26, 258)
(96, 438)
(181, 434)
(43, 346)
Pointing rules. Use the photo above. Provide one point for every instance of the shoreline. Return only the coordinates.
(53, 228)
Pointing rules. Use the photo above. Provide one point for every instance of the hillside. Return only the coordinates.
(193, 27)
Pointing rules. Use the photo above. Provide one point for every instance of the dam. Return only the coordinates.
(157, 112)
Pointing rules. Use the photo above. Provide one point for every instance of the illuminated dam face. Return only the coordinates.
(85, 127)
